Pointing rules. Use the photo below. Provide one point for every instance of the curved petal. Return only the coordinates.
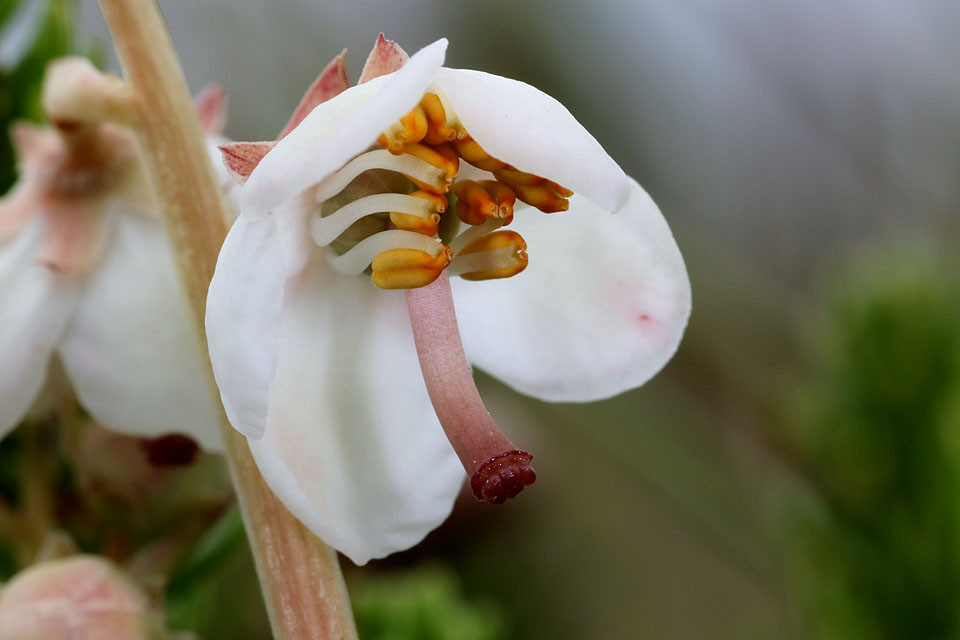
(352, 446)
(523, 126)
(337, 130)
(35, 306)
(243, 317)
(132, 352)
(599, 310)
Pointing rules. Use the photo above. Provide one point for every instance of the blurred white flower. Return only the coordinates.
(86, 271)
(320, 369)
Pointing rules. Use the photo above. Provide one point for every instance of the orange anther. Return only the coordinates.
(473, 153)
(411, 128)
(408, 268)
(504, 196)
(512, 176)
(427, 225)
(474, 203)
(538, 192)
(477, 201)
(440, 129)
(441, 156)
(506, 255)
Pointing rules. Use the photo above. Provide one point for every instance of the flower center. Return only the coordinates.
(386, 213)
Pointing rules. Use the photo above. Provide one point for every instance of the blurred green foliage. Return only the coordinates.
(215, 592)
(880, 435)
(421, 604)
(20, 83)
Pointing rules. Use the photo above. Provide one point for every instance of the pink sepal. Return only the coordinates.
(211, 105)
(241, 158)
(386, 57)
(331, 82)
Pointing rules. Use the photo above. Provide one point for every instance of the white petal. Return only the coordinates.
(599, 310)
(132, 351)
(352, 446)
(243, 316)
(337, 130)
(523, 126)
(35, 306)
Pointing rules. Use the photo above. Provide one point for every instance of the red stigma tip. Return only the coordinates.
(171, 450)
(503, 477)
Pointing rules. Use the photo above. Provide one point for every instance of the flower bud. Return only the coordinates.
(81, 598)
(76, 93)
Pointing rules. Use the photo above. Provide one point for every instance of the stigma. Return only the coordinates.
(496, 468)
(401, 213)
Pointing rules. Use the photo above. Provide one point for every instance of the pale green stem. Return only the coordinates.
(300, 576)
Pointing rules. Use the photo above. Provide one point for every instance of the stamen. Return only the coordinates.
(408, 268)
(497, 469)
(503, 196)
(409, 129)
(472, 233)
(477, 201)
(358, 258)
(442, 156)
(427, 225)
(443, 124)
(473, 153)
(427, 176)
(474, 204)
(325, 229)
(538, 192)
(512, 176)
(496, 255)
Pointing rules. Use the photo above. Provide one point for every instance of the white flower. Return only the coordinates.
(320, 369)
(86, 271)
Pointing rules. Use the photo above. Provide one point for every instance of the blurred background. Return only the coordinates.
(795, 470)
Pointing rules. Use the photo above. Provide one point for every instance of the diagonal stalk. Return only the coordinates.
(299, 575)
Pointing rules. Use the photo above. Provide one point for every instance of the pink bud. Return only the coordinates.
(81, 598)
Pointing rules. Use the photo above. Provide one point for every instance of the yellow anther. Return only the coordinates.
(441, 156)
(408, 268)
(473, 153)
(477, 201)
(443, 125)
(474, 204)
(427, 225)
(500, 254)
(503, 196)
(411, 128)
(538, 192)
